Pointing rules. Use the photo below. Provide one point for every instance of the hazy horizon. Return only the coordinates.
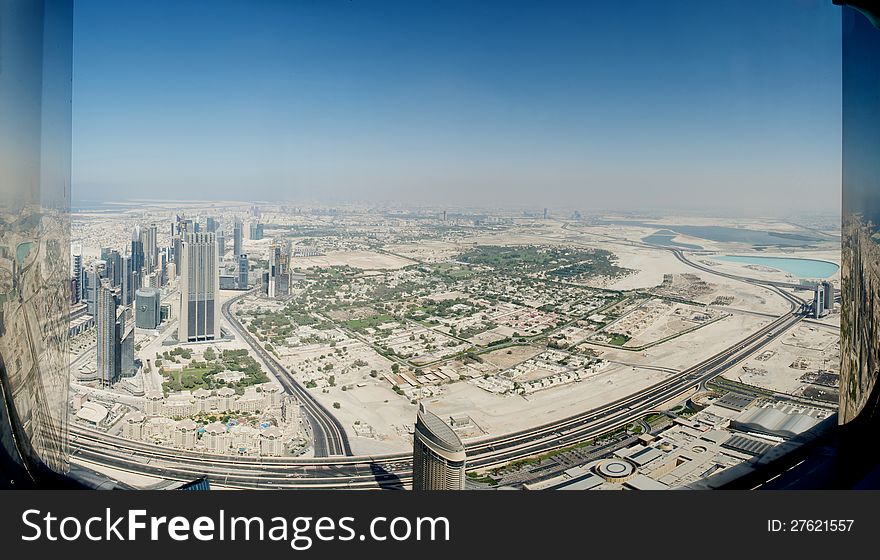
(728, 107)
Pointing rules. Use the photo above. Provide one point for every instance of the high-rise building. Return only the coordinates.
(819, 302)
(126, 279)
(243, 269)
(256, 231)
(107, 334)
(92, 282)
(137, 251)
(274, 258)
(175, 253)
(236, 238)
(221, 244)
(114, 268)
(199, 289)
(150, 246)
(829, 295)
(210, 225)
(162, 268)
(76, 274)
(125, 366)
(438, 454)
(147, 308)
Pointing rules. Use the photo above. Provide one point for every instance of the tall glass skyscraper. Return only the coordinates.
(106, 351)
(35, 97)
(199, 289)
(236, 237)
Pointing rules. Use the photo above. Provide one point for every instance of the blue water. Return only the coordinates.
(802, 268)
(664, 238)
(22, 251)
(725, 234)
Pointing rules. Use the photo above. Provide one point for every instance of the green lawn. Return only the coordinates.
(375, 321)
(618, 339)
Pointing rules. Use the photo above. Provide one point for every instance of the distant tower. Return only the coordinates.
(126, 280)
(107, 334)
(124, 362)
(236, 238)
(175, 253)
(243, 267)
(77, 278)
(114, 268)
(819, 302)
(444, 215)
(199, 288)
(829, 295)
(211, 225)
(91, 284)
(545, 213)
(137, 252)
(438, 454)
(150, 248)
(221, 244)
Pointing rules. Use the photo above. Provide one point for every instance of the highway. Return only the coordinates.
(328, 436)
(394, 471)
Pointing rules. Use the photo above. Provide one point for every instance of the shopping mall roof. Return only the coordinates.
(91, 412)
(774, 422)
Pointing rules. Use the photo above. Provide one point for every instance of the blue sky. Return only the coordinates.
(641, 105)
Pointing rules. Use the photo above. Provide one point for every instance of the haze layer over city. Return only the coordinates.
(601, 246)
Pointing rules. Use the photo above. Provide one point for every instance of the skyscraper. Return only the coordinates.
(243, 268)
(150, 248)
(236, 238)
(91, 284)
(76, 274)
(211, 225)
(273, 270)
(221, 244)
(199, 288)
(147, 309)
(114, 268)
(829, 295)
(137, 251)
(107, 334)
(125, 366)
(438, 454)
(126, 280)
(819, 302)
(175, 253)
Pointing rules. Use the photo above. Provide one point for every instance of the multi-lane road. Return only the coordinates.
(328, 436)
(394, 470)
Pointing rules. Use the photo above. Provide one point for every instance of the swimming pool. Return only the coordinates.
(802, 268)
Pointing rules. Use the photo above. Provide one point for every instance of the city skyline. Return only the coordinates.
(571, 104)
